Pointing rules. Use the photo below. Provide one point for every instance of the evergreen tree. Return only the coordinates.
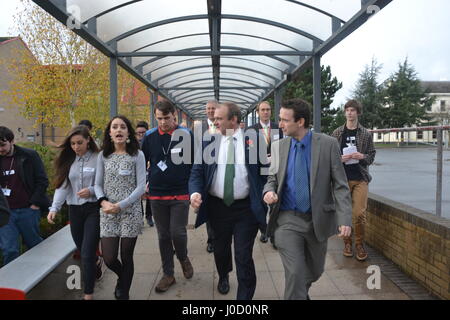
(302, 87)
(405, 100)
(368, 93)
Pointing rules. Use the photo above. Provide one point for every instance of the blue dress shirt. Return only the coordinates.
(288, 202)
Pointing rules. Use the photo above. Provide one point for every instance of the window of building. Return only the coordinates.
(379, 136)
(31, 138)
(420, 135)
(434, 134)
(442, 105)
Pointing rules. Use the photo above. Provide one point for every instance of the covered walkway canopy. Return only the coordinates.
(233, 50)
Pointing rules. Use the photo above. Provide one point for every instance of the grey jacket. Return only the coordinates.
(330, 195)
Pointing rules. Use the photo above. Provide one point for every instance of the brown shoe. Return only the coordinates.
(361, 253)
(165, 283)
(348, 252)
(188, 270)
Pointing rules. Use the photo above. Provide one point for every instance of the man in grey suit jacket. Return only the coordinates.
(308, 189)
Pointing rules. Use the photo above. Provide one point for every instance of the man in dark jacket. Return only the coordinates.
(270, 131)
(4, 210)
(24, 184)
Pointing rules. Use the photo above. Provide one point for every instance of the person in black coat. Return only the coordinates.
(24, 184)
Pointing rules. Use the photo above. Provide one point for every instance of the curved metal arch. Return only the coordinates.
(222, 33)
(222, 47)
(237, 73)
(316, 9)
(272, 23)
(180, 93)
(212, 97)
(198, 96)
(222, 66)
(112, 9)
(221, 95)
(192, 94)
(206, 16)
(236, 58)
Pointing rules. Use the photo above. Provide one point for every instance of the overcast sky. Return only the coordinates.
(417, 29)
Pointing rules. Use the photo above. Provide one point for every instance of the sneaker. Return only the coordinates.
(165, 283)
(98, 269)
(348, 251)
(188, 270)
(361, 253)
(150, 222)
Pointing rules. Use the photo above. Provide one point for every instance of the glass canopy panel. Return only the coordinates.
(285, 12)
(186, 79)
(188, 75)
(89, 8)
(263, 30)
(230, 83)
(189, 93)
(343, 9)
(161, 62)
(249, 73)
(206, 61)
(142, 13)
(182, 31)
(236, 74)
(250, 65)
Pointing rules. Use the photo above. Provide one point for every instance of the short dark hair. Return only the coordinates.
(86, 123)
(142, 124)
(233, 111)
(165, 106)
(301, 109)
(354, 104)
(6, 134)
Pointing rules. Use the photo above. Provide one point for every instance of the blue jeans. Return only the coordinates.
(24, 222)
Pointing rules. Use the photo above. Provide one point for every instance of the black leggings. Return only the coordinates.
(124, 269)
(85, 229)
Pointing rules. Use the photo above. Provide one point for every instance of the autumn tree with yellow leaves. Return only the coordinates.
(65, 79)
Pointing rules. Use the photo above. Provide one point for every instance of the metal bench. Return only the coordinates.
(30, 268)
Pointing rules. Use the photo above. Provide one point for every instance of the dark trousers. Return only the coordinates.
(234, 223)
(210, 232)
(171, 219)
(85, 229)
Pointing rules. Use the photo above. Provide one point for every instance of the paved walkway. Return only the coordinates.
(344, 278)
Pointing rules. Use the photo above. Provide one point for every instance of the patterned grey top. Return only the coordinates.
(131, 165)
(121, 178)
(81, 175)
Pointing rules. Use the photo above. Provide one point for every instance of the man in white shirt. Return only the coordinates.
(227, 193)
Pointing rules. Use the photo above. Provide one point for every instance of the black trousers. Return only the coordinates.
(237, 224)
(85, 229)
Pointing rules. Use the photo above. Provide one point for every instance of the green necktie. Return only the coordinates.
(228, 190)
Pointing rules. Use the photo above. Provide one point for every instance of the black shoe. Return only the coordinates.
(223, 286)
(118, 290)
(150, 222)
(210, 247)
(263, 238)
